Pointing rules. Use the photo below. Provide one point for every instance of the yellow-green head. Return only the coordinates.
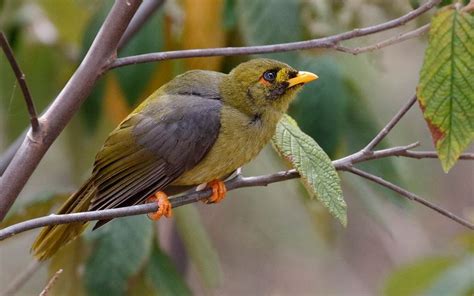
(262, 84)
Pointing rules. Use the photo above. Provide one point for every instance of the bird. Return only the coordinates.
(195, 130)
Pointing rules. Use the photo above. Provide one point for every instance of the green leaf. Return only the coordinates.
(134, 79)
(414, 278)
(122, 248)
(315, 167)
(164, 276)
(261, 22)
(39, 206)
(457, 280)
(198, 245)
(446, 88)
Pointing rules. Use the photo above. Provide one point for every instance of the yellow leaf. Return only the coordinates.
(203, 28)
(115, 105)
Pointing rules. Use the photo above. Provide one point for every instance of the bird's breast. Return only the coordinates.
(241, 138)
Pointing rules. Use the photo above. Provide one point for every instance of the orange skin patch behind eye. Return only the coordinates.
(264, 82)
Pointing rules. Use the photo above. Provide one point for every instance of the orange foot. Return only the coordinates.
(218, 191)
(164, 206)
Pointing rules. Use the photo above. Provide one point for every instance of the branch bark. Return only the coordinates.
(409, 195)
(384, 43)
(326, 42)
(21, 78)
(237, 182)
(101, 53)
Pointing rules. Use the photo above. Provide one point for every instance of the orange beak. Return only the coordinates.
(301, 78)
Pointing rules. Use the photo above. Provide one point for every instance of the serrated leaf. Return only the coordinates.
(164, 276)
(456, 280)
(198, 245)
(446, 88)
(315, 167)
(39, 206)
(414, 278)
(121, 249)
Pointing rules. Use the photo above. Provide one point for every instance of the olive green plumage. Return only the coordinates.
(200, 126)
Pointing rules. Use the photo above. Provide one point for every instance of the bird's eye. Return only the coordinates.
(269, 75)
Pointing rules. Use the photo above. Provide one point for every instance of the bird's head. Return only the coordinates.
(263, 84)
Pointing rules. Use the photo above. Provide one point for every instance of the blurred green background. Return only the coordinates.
(259, 241)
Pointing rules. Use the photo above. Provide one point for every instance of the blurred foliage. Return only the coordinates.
(121, 249)
(42, 205)
(315, 167)
(437, 275)
(445, 90)
(124, 257)
(198, 245)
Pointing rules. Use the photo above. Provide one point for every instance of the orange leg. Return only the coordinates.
(218, 191)
(164, 206)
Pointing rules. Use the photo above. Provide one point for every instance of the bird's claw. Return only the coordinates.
(218, 191)
(164, 206)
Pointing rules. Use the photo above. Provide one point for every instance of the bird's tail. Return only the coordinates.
(52, 238)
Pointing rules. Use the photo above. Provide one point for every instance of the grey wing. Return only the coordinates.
(153, 148)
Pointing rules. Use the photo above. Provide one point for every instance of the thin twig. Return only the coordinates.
(409, 195)
(381, 135)
(237, 182)
(21, 279)
(66, 104)
(430, 154)
(325, 42)
(387, 42)
(51, 282)
(21, 78)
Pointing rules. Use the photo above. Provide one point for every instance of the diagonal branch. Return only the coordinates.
(390, 125)
(409, 195)
(21, 78)
(79, 86)
(387, 42)
(325, 42)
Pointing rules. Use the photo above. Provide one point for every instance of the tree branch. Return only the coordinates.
(325, 42)
(21, 78)
(146, 10)
(32, 150)
(430, 154)
(387, 42)
(408, 195)
(194, 196)
(51, 282)
(381, 135)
